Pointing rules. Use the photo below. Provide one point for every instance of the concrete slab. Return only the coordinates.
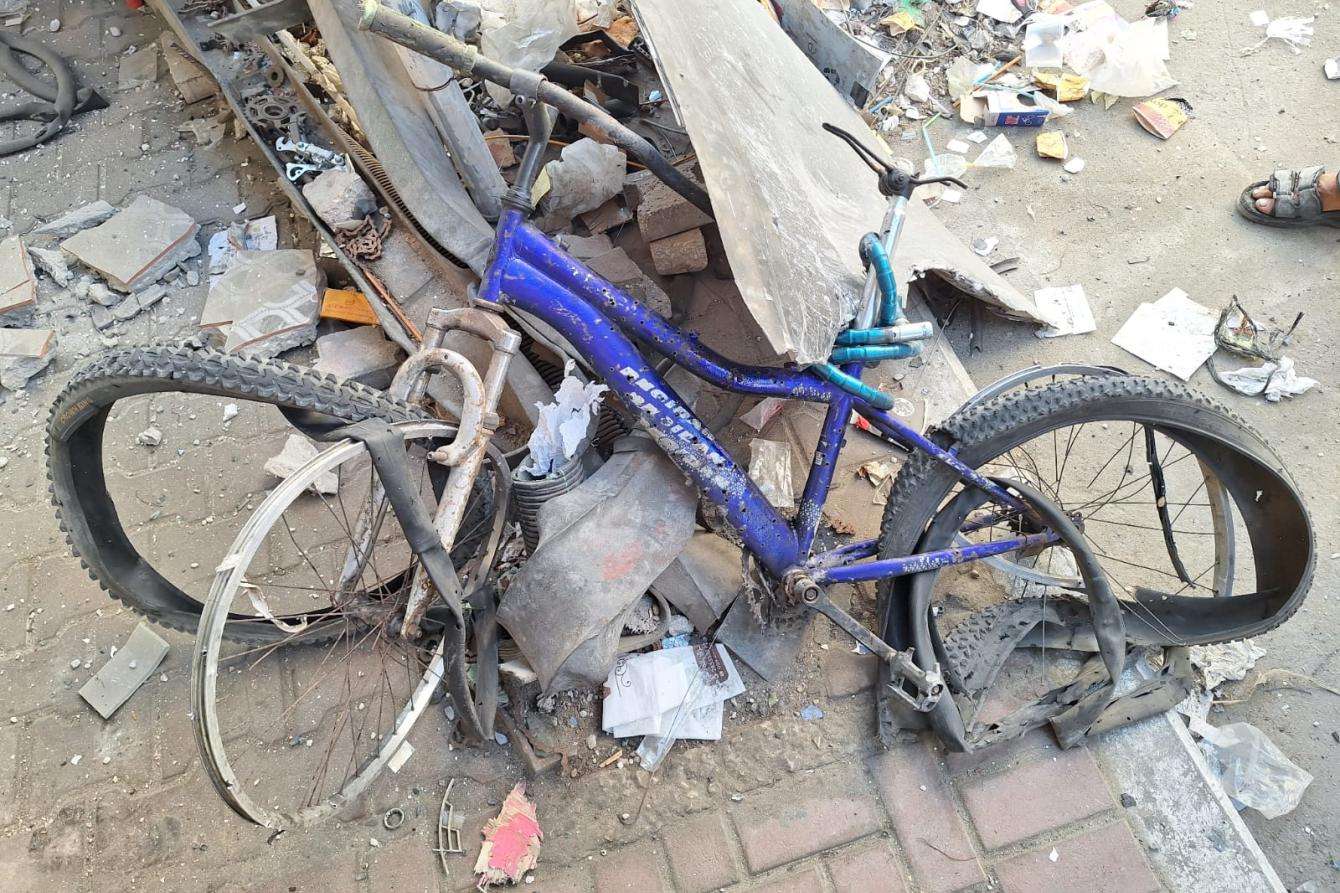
(138, 245)
(362, 354)
(18, 285)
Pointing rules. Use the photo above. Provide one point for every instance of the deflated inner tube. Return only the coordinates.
(1271, 511)
(58, 102)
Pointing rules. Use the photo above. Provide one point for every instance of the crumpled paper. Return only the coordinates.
(563, 424)
(1274, 381)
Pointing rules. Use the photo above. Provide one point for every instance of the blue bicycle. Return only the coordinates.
(1072, 512)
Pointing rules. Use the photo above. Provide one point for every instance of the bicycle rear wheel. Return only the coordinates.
(1198, 528)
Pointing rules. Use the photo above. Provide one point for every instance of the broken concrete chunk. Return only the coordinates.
(663, 212)
(130, 667)
(363, 354)
(297, 452)
(401, 268)
(150, 437)
(267, 302)
(18, 285)
(23, 354)
(586, 175)
(619, 268)
(193, 82)
(138, 245)
(138, 68)
(340, 198)
(52, 262)
(139, 301)
(76, 220)
(684, 252)
(102, 295)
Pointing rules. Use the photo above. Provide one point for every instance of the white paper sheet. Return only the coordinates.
(1066, 310)
(1174, 333)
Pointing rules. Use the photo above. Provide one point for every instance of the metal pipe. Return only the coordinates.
(465, 59)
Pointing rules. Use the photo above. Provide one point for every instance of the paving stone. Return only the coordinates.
(9, 767)
(806, 881)
(138, 245)
(924, 818)
(845, 673)
(49, 857)
(405, 864)
(800, 817)
(15, 585)
(1035, 745)
(62, 589)
(702, 855)
(866, 870)
(684, 252)
(54, 741)
(193, 82)
(634, 869)
(134, 832)
(1106, 860)
(1035, 797)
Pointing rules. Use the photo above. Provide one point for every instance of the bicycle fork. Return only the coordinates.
(464, 455)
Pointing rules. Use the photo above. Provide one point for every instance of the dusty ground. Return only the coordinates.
(1147, 216)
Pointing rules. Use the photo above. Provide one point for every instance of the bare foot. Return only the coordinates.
(1328, 190)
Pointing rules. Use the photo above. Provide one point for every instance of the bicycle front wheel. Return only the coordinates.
(1196, 524)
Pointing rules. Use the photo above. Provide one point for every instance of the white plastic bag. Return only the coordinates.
(524, 34)
(1253, 770)
(770, 468)
(1297, 33)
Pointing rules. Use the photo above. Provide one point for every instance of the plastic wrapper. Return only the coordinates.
(1274, 381)
(997, 153)
(1252, 770)
(524, 34)
(770, 468)
(1297, 33)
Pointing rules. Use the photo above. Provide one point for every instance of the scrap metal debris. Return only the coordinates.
(511, 841)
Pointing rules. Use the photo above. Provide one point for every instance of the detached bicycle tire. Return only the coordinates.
(86, 511)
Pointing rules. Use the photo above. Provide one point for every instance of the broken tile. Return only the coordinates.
(18, 285)
(138, 68)
(193, 82)
(267, 302)
(297, 452)
(76, 220)
(137, 302)
(138, 245)
(23, 354)
(363, 354)
(130, 666)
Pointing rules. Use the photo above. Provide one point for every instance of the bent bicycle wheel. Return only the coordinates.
(1197, 527)
(155, 457)
(290, 736)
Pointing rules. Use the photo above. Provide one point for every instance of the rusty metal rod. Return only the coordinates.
(466, 60)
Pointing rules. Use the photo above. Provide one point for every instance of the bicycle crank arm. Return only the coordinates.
(929, 684)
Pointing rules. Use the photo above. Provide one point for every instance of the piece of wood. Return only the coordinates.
(263, 20)
(403, 135)
(792, 202)
(450, 110)
(348, 306)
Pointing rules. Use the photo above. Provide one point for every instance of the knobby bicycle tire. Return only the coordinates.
(76, 479)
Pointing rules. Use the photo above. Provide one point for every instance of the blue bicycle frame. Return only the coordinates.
(529, 272)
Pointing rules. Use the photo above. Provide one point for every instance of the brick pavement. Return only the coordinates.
(779, 805)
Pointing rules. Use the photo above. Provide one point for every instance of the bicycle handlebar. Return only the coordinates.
(466, 60)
